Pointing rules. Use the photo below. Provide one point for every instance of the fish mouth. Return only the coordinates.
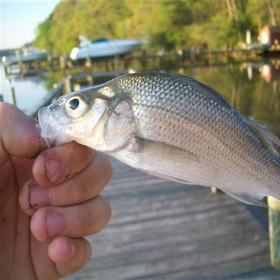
(50, 127)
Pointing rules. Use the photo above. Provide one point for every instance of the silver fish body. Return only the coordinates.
(173, 127)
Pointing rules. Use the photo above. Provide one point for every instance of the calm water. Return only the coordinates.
(251, 88)
(28, 91)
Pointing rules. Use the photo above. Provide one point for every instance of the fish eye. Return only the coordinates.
(75, 106)
(74, 103)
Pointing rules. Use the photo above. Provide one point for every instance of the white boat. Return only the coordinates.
(29, 54)
(102, 47)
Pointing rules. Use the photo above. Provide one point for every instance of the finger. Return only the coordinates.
(58, 164)
(60, 257)
(72, 221)
(82, 187)
(69, 255)
(19, 135)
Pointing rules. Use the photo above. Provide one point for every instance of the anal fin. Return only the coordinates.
(248, 198)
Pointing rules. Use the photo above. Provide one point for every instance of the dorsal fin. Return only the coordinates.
(271, 141)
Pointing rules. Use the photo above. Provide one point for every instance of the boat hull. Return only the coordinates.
(105, 49)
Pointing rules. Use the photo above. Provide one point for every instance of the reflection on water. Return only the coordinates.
(252, 88)
(270, 72)
(256, 95)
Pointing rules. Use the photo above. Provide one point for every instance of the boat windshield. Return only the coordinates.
(100, 40)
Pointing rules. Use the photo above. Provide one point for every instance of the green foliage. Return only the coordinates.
(168, 24)
(42, 41)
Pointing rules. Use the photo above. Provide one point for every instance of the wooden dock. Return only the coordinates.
(165, 230)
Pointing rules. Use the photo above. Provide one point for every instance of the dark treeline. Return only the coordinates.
(169, 25)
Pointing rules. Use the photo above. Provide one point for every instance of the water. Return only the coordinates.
(254, 90)
(28, 90)
(251, 88)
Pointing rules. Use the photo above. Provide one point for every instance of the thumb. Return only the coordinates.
(19, 134)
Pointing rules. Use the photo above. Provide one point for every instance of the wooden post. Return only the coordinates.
(50, 59)
(274, 231)
(62, 63)
(37, 66)
(214, 190)
(13, 96)
(90, 80)
(1, 98)
(69, 83)
(20, 66)
(88, 64)
(6, 65)
(6, 70)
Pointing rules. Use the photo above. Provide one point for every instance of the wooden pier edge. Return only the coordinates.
(274, 231)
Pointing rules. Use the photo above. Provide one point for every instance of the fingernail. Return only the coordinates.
(54, 171)
(55, 224)
(39, 196)
(72, 250)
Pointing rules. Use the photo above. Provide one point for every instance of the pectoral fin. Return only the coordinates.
(120, 127)
(162, 160)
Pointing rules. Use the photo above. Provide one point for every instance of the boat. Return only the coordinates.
(29, 54)
(102, 48)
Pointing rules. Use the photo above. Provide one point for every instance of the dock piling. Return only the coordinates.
(13, 96)
(274, 231)
(69, 83)
(6, 70)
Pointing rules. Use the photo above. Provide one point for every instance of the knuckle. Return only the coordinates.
(78, 189)
(81, 255)
(97, 214)
(89, 183)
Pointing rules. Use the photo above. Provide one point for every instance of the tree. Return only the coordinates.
(168, 24)
(42, 41)
(60, 34)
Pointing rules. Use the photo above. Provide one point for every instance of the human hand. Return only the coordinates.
(49, 200)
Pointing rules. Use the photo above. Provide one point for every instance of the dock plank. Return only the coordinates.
(166, 230)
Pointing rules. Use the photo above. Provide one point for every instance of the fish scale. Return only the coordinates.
(147, 118)
(201, 119)
(179, 138)
(149, 124)
(173, 127)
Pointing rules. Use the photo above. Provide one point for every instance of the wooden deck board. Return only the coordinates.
(165, 230)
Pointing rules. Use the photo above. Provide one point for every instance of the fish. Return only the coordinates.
(173, 127)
